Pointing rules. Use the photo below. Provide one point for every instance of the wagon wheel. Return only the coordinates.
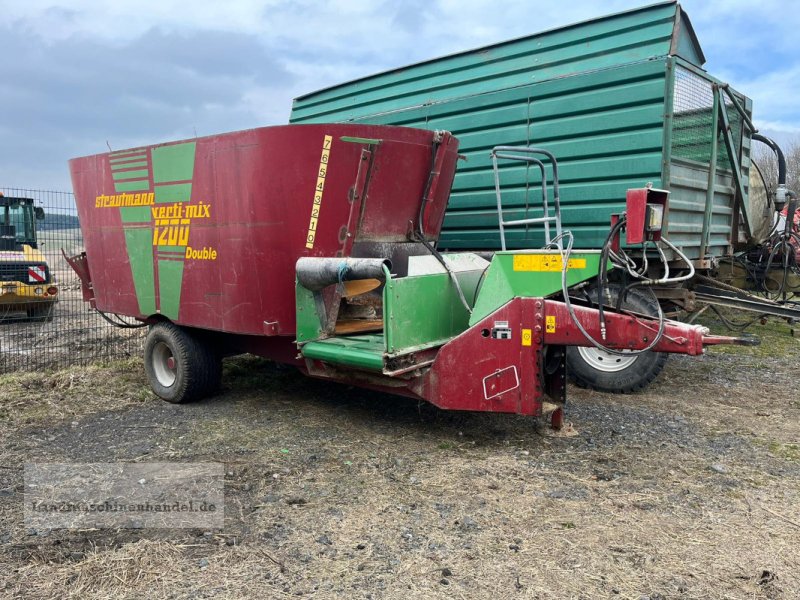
(180, 366)
(589, 367)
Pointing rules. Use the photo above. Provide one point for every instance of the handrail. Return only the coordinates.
(522, 153)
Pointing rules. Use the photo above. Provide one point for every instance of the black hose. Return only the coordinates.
(732, 325)
(571, 310)
(426, 191)
(120, 323)
(602, 275)
(782, 242)
(778, 152)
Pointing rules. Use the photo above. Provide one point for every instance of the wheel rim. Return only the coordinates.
(164, 365)
(605, 361)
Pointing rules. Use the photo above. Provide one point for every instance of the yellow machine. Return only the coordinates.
(26, 283)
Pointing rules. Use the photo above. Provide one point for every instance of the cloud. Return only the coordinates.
(69, 96)
(142, 71)
(123, 20)
(773, 95)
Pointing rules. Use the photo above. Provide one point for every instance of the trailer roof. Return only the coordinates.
(683, 42)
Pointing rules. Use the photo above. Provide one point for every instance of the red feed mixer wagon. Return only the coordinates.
(315, 246)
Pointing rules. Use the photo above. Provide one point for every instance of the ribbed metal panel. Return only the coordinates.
(690, 154)
(688, 184)
(596, 94)
(601, 43)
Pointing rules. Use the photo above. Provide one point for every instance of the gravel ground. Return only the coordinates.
(689, 490)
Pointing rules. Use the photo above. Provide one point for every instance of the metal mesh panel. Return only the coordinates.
(44, 322)
(692, 126)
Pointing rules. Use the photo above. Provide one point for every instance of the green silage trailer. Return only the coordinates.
(621, 101)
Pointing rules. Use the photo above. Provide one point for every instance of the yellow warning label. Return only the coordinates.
(550, 324)
(318, 190)
(545, 262)
(526, 337)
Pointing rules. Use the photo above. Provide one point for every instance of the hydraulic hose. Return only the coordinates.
(602, 281)
(778, 152)
(666, 278)
(119, 322)
(781, 193)
(782, 243)
(603, 272)
(571, 310)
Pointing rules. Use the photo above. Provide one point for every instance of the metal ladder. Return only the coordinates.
(525, 154)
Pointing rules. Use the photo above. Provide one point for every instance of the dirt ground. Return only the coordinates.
(690, 490)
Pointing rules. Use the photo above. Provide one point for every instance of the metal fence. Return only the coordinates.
(44, 322)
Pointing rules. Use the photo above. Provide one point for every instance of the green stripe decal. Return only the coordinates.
(176, 192)
(359, 140)
(173, 163)
(172, 169)
(139, 243)
(129, 165)
(141, 185)
(135, 214)
(138, 174)
(170, 277)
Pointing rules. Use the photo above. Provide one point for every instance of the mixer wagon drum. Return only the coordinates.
(314, 246)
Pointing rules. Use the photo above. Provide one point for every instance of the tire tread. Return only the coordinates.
(621, 382)
(199, 367)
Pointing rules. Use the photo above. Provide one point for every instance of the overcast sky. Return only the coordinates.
(79, 73)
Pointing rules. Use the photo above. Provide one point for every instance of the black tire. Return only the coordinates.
(41, 311)
(593, 369)
(194, 370)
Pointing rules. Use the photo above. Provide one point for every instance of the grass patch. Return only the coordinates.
(786, 451)
(46, 396)
(775, 335)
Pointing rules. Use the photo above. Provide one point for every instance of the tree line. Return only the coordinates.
(764, 158)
